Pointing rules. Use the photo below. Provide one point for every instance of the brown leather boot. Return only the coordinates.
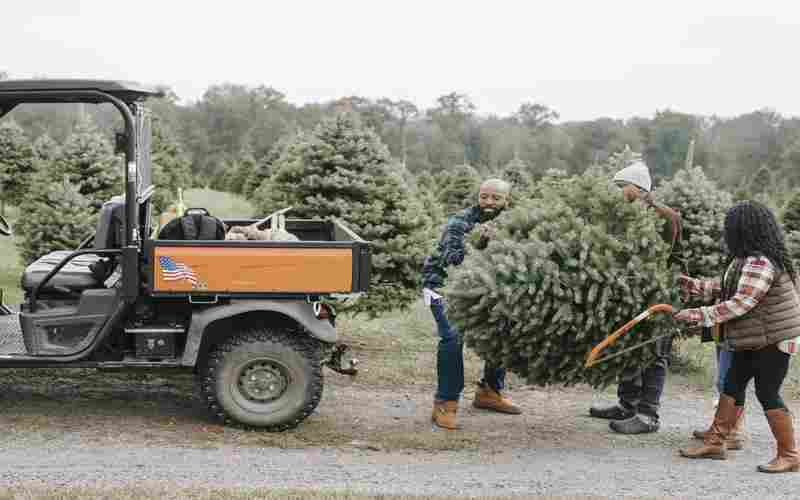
(489, 399)
(737, 439)
(714, 445)
(788, 459)
(444, 414)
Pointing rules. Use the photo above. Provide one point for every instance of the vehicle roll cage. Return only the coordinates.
(123, 97)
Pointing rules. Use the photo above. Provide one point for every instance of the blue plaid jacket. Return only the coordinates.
(450, 250)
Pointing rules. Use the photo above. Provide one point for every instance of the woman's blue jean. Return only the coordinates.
(724, 358)
(450, 360)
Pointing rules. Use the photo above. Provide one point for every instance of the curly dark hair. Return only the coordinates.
(751, 230)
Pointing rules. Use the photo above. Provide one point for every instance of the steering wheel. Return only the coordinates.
(5, 227)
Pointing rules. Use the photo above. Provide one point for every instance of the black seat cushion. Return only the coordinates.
(76, 276)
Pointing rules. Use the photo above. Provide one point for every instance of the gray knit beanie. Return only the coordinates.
(637, 174)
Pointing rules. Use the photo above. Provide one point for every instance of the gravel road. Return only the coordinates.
(60, 433)
(605, 473)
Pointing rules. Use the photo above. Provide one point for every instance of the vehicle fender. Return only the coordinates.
(301, 312)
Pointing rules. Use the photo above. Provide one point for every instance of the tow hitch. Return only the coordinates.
(336, 363)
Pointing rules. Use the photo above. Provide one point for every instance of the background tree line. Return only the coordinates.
(391, 170)
(235, 131)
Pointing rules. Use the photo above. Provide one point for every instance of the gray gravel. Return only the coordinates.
(577, 455)
(605, 473)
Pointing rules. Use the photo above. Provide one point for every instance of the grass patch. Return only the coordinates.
(22, 493)
(10, 264)
(399, 347)
(218, 203)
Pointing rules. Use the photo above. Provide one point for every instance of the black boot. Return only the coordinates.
(637, 424)
(613, 412)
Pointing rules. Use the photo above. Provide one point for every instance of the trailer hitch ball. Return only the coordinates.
(336, 363)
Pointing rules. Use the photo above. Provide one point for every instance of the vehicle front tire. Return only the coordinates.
(266, 379)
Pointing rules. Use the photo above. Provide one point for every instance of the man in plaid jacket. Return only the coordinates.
(493, 197)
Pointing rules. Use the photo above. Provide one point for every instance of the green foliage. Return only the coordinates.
(516, 172)
(621, 159)
(343, 170)
(791, 214)
(45, 148)
(58, 217)
(425, 190)
(460, 189)
(10, 262)
(244, 169)
(793, 247)
(702, 206)
(16, 163)
(668, 143)
(88, 161)
(762, 181)
(171, 168)
(566, 270)
(263, 167)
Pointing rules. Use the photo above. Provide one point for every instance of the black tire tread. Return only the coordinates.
(306, 346)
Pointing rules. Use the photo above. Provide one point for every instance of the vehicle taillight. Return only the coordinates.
(323, 311)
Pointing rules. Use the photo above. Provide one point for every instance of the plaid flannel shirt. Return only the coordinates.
(758, 273)
(451, 248)
(757, 276)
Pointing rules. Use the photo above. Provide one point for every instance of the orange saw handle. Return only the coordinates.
(594, 353)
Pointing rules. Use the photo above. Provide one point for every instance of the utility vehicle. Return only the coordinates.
(249, 318)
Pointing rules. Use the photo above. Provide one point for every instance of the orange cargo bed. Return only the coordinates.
(329, 258)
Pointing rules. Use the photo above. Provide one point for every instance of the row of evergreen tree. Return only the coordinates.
(233, 126)
(340, 168)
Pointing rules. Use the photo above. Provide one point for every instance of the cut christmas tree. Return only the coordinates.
(567, 269)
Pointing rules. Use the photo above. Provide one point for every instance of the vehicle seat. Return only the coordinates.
(81, 272)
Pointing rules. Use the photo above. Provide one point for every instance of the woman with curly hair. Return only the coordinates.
(759, 316)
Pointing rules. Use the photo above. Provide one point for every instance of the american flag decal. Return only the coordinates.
(175, 271)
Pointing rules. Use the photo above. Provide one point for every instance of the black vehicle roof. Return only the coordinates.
(125, 91)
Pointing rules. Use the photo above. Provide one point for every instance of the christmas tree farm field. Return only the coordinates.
(10, 265)
(219, 203)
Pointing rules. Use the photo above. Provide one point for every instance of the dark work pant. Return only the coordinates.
(640, 388)
(768, 366)
(450, 360)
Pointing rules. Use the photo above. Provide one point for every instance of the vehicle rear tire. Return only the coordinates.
(264, 379)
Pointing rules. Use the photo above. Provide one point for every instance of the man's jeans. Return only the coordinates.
(640, 389)
(450, 360)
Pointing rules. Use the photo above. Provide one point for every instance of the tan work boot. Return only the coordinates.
(788, 459)
(489, 399)
(444, 414)
(714, 445)
(737, 439)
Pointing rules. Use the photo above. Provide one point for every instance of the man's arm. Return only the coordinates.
(668, 213)
(453, 250)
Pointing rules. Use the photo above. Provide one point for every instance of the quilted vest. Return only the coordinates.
(775, 318)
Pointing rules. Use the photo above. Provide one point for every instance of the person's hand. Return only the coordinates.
(684, 280)
(691, 316)
(487, 231)
(647, 198)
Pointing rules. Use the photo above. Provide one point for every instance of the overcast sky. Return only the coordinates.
(585, 59)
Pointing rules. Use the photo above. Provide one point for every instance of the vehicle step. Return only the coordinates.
(11, 341)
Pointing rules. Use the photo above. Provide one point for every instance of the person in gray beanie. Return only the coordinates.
(640, 388)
